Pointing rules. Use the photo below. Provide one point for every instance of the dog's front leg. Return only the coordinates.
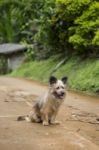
(45, 120)
(53, 121)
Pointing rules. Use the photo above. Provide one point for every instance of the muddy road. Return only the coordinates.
(79, 129)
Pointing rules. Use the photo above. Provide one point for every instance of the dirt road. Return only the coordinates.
(79, 129)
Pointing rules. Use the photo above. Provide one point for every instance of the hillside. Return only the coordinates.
(82, 75)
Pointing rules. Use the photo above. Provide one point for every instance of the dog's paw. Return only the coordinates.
(45, 123)
(56, 122)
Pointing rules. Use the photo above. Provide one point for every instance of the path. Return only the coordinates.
(78, 131)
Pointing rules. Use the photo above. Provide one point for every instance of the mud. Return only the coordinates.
(79, 115)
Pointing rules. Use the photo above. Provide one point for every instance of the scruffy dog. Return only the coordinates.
(46, 108)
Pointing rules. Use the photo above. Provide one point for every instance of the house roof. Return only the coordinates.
(9, 48)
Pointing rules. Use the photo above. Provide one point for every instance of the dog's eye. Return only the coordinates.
(57, 87)
(62, 87)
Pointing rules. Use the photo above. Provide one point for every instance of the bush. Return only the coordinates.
(76, 26)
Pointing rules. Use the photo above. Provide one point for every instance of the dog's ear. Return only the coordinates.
(64, 79)
(52, 80)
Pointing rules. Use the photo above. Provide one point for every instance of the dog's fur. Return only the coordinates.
(46, 108)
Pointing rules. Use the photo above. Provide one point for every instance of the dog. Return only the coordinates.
(46, 108)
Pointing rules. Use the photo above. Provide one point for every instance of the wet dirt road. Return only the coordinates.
(79, 129)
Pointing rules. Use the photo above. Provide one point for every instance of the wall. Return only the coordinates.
(15, 60)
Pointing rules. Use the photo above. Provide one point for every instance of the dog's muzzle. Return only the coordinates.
(59, 95)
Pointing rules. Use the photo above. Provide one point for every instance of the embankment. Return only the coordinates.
(83, 75)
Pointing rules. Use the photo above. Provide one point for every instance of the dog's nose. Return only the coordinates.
(62, 93)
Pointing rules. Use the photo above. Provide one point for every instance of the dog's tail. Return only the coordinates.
(22, 118)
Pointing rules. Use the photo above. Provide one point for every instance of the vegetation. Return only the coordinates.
(16, 19)
(3, 65)
(82, 75)
(61, 26)
(68, 28)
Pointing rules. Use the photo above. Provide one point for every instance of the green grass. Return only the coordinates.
(82, 75)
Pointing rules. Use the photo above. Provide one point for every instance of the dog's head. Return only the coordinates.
(58, 87)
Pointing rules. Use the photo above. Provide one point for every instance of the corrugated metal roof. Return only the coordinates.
(8, 48)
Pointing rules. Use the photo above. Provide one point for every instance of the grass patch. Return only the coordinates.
(82, 75)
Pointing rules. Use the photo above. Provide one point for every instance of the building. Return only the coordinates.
(11, 56)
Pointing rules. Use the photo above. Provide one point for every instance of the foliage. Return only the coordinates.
(42, 39)
(76, 25)
(56, 26)
(3, 65)
(16, 19)
(69, 26)
(87, 30)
